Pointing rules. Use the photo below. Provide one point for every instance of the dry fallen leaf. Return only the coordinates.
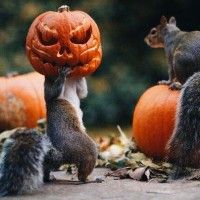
(104, 143)
(138, 174)
(128, 162)
(120, 173)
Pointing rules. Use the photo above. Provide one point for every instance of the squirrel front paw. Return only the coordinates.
(175, 86)
(164, 82)
(65, 71)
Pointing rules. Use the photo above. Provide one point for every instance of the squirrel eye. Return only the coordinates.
(153, 32)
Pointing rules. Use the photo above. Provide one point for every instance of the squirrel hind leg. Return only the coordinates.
(85, 169)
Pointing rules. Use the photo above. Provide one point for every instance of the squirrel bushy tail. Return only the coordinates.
(183, 149)
(182, 50)
(21, 162)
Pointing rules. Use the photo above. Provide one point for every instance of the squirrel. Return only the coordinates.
(183, 148)
(24, 158)
(182, 50)
(65, 127)
(28, 156)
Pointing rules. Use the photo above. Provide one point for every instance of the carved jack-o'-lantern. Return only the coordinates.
(57, 39)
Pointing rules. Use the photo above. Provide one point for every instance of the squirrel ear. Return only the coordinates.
(163, 21)
(172, 20)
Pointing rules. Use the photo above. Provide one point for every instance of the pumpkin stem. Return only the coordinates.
(63, 8)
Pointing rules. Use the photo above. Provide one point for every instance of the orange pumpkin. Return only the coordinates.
(61, 38)
(22, 100)
(153, 120)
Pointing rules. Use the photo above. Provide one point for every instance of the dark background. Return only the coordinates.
(128, 67)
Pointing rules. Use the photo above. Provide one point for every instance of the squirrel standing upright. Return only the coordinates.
(183, 53)
(182, 50)
(64, 122)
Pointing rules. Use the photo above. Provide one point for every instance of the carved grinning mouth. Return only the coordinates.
(66, 51)
(42, 64)
(54, 64)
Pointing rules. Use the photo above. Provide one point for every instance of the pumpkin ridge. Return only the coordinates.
(165, 101)
(72, 16)
(19, 100)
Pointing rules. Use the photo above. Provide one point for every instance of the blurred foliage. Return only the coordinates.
(128, 65)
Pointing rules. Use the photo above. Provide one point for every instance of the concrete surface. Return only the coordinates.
(112, 189)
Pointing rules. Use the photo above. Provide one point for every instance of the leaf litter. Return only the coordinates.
(121, 156)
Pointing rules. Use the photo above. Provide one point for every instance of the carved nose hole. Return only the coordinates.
(64, 49)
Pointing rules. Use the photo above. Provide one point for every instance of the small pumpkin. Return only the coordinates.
(22, 100)
(63, 38)
(154, 119)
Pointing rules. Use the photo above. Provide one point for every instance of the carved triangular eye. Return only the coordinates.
(81, 34)
(46, 35)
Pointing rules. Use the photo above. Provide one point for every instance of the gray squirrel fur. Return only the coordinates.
(183, 148)
(21, 161)
(182, 50)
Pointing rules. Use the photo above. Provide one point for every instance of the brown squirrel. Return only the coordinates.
(64, 122)
(182, 50)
